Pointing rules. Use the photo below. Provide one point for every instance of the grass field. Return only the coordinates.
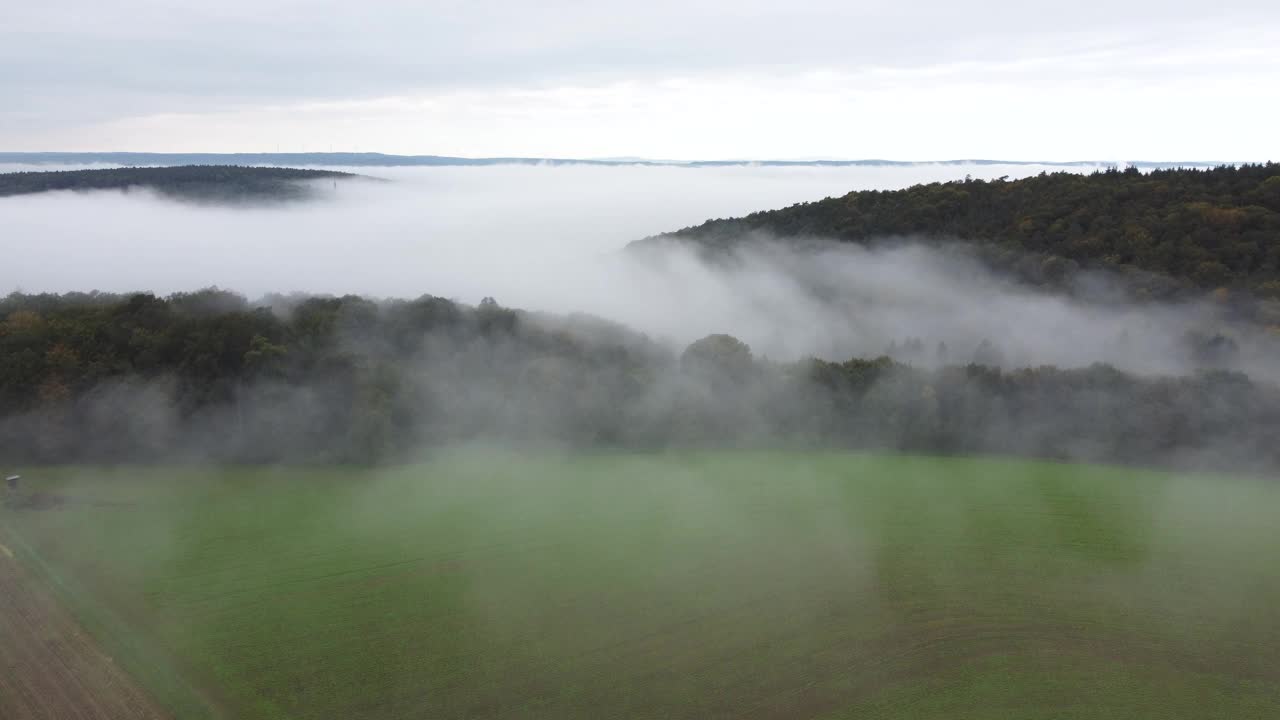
(726, 585)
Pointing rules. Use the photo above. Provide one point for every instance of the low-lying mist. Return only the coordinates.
(500, 569)
(925, 305)
(526, 235)
(551, 238)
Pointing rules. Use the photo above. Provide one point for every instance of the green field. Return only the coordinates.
(732, 585)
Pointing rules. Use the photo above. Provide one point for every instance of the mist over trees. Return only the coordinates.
(209, 376)
(1168, 231)
(930, 340)
(193, 183)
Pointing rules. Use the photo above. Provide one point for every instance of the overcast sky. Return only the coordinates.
(678, 79)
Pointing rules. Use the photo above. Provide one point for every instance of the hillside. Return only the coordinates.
(1207, 229)
(201, 183)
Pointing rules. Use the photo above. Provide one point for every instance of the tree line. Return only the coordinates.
(207, 376)
(206, 183)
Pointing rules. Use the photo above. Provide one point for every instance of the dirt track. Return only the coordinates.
(49, 667)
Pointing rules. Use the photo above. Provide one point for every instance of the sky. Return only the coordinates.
(665, 79)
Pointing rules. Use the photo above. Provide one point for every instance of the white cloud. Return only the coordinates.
(683, 80)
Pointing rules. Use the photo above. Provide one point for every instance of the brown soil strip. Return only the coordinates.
(50, 668)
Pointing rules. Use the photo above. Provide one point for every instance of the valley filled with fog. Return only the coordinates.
(552, 238)
(530, 236)
(696, 361)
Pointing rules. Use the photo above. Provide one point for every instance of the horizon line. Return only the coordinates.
(396, 159)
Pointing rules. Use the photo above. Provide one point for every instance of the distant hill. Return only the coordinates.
(200, 183)
(1204, 228)
(345, 159)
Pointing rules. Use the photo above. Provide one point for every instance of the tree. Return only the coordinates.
(988, 354)
(262, 357)
(718, 356)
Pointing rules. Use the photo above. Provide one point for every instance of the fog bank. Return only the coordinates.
(507, 231)
(550, 238)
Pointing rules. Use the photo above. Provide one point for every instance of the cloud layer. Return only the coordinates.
(520, 233)
(687, 80)
(550, 238)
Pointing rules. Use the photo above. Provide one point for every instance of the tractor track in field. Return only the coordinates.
(50, 668)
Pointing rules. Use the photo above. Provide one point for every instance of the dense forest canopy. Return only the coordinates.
(209, 376)
(201, 183)
(1203, 228)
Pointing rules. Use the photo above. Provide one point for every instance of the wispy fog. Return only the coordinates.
(550, 238)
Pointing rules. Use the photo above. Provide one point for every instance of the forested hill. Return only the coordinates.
(200, 183)
(1211, 228)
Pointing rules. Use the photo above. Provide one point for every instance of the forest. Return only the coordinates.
(1168, 231)
(196, 183)
(210, 376)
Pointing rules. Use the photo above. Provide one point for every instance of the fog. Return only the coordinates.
(612, 549)
(846, 301)
(551, 238)
(519, 233)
